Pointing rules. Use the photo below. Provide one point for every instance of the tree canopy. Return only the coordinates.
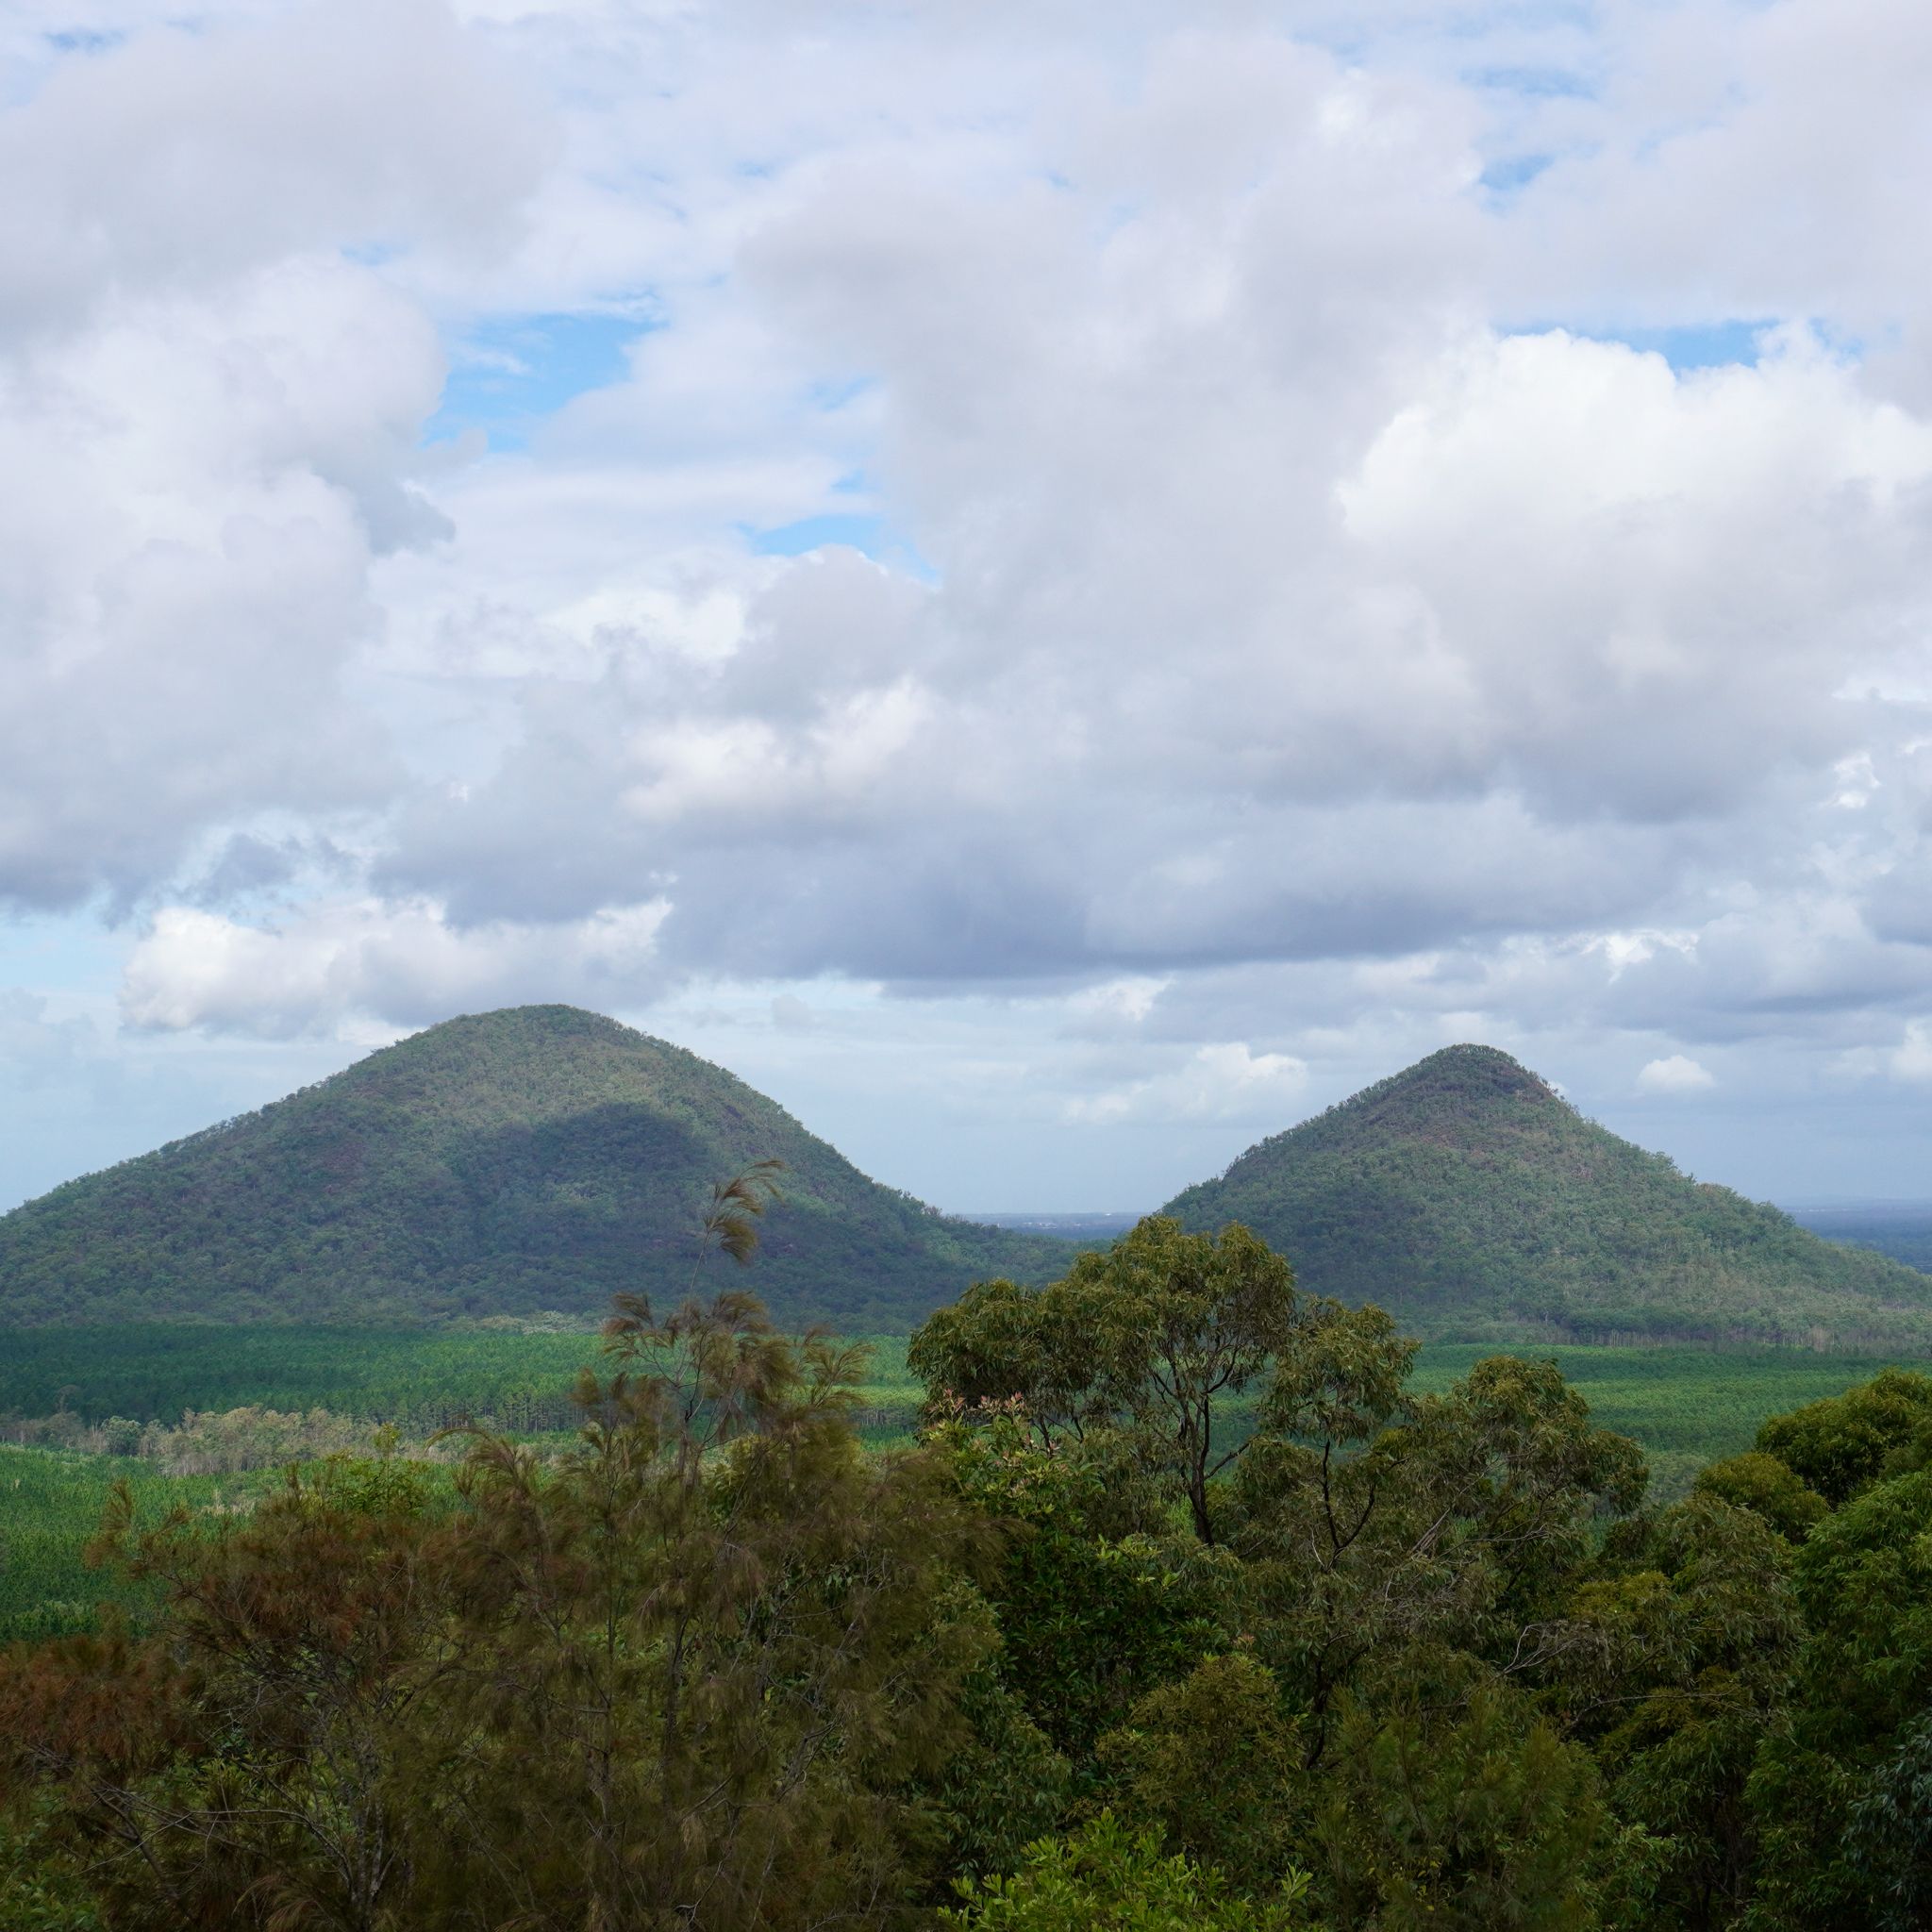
(1186, 1609)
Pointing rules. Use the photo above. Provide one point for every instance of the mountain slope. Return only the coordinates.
(535, 1158)
(1471, 1201)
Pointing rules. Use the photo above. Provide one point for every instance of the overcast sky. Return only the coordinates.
(1056, 584)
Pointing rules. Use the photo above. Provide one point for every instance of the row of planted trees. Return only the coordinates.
(1183, 1613)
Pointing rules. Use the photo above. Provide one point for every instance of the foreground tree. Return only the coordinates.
(705, 1668)
(1186, 1610)
(710, 1652)
(1843, 1788)
(1158, 1336)
(1846, 1442)
(250, 1763)
(1110, 1879)
(1677, 1678)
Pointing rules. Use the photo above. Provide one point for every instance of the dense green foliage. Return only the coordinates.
(1110, 1879)
(1687, 1406)
(709, 1667)
(538, 1157)
(541, 1158)
(1194, 1602)
(1469, 1200)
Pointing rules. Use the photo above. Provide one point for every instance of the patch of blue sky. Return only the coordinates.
(56, 954)
(1510, 173)
(835, 393)
(1354, 33)
(869, 533)
(85, 39)
(1734, 343)
(1534, 83)
(856, 532)
(1699, 345)
(508, 373)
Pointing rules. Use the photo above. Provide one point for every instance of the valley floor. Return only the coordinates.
(1687, 1406)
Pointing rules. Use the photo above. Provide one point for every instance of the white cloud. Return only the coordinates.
(185, 532)
(1283, 605)
(212, 416)
(187, 154)
(199, 969)
(1674, 1074)
(1226, 1081)
(1282, 609)
(1912, 1058)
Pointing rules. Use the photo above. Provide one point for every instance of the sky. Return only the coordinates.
(1057, 585)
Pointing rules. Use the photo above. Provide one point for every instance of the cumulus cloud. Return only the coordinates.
(182, 578)
(195, 968)
(177, 158)
(213, 417)
(1280, 612)
(1674, 1074)
(1226, 1081)
(1285, 597)
(1912, 1058)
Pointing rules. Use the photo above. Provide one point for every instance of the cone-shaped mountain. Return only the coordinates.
(1471, 1201)
(536, 1157)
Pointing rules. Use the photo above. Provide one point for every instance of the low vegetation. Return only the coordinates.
(51, 1503)
(1686, 1405)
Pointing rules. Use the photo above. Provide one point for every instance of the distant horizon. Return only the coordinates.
(1019, 1216)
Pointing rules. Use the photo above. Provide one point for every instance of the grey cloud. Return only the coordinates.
(1280, 613)
(212, 421)
(1292, 633)
(184, 156)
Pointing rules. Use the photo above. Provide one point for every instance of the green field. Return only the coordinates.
(420, 1379)
(1687, 1406)
(50, 1507)
(1697, 1402)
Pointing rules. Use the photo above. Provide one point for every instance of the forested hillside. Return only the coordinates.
(536, 1158)
(1471, 1200)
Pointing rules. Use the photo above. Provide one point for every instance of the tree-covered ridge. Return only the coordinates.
(1475, 1203)
(535, 1158)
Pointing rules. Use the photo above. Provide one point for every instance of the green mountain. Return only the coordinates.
(536, 1157)
(1474, 1202)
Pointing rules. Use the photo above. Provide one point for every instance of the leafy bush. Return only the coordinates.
(1110, 1879)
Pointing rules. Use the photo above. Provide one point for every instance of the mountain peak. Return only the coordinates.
(1470, 1056)
(1468, 1068)
(550, 1019)
(1468, 1197)
(532, 1157)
